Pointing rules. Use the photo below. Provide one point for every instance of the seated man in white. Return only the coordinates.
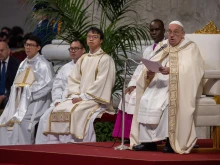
(166, 100)
(30, 97)
(89, 93)
(157, 34)
(60, 87)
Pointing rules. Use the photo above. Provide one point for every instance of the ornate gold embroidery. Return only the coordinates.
(97, 68)
(87, 120)
(98, 98)
(60, 116)
(173, 96)
(83, 56)
(101, 53)
(10, 123)
(209, 28)
(24, 83)
(69, 132)
(173, 91)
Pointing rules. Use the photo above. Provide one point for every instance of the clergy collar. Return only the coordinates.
(33, 59)
(99, 52)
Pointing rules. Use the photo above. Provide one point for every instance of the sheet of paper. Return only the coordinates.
(151, 65)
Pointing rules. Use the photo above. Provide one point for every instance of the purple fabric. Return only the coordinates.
(154, 46)
(118, 124)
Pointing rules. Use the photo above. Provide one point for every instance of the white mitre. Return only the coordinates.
(176, 23)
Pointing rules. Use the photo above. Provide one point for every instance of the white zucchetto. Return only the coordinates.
(176, 23)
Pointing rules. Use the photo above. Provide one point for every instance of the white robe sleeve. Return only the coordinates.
(147, 54)
(44, 80)
(58, 86)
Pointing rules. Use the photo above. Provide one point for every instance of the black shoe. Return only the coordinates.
(168, 148)
(196, 146)
(145, 147)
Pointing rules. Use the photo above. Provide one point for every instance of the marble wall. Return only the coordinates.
(194, 14)
(13, 14)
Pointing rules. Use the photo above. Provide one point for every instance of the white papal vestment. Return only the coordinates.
(166, 103)
(27, 102)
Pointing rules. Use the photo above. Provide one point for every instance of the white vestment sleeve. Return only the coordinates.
(58, 87)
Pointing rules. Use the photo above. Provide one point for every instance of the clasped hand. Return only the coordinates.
(129, 89)
(75, 100)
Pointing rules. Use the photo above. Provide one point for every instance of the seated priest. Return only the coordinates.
(60, 87)
(29, 98)
(166, 99)
(89, 93)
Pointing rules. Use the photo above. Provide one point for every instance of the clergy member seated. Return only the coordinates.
(89, 93)
(30, 97)
(60, 87)
(9, 66)
(166, 100)
(157, 34)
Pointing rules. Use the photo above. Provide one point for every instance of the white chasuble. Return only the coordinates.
(93, 77)
(186, 71)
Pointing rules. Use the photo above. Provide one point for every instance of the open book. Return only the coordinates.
(151, 65)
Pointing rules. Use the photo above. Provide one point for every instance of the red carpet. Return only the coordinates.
(99, 154)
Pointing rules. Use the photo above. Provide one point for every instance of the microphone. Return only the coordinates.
(122, 146)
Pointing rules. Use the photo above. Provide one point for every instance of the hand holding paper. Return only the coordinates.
(152, 65)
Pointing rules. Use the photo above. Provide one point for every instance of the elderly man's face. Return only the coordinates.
(4, 50)
(175, 34)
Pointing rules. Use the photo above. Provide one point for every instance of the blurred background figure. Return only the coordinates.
(6, 30)
(4, 37)
(9, 66)
(45, 29)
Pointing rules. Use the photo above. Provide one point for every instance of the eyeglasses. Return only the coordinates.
(175, 32)
(30, 45)
(74, 49)
(93, 37)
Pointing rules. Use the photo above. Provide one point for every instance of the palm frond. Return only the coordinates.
(122, 32)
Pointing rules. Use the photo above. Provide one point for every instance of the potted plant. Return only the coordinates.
(116, 18)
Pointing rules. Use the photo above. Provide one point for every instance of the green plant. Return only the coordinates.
(122, 32)
(104, 131)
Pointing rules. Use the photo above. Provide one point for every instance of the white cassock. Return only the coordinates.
(166, 103)
(27, 102)
(59, 94)
(92, 79)
(130, 100)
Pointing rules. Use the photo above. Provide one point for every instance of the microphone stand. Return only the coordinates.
(122, 146)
